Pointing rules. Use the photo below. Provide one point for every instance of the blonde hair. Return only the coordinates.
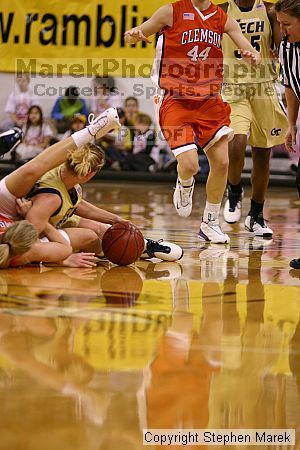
(16, 240)
(86, 159)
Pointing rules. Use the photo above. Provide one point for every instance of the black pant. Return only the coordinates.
(139, 161)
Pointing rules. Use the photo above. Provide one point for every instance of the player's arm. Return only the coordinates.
(89, 211)
(43, 206)
(49, 252)
(161, 18)
(276, 34)
(53, 234)
(248, 52)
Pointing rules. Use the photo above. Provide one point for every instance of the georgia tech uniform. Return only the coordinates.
(251, 90)
(52, 183)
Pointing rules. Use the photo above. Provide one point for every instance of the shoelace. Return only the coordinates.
(214, 224)
(155, 246)
(102, 120)
(91, 118)
(260, 220)
(185, 195)
(233, 200)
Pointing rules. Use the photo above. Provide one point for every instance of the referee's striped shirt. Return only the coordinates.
(289, 55)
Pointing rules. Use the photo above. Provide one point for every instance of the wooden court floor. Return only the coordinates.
(91, 357)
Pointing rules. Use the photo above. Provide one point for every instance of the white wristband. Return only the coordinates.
(82, 137)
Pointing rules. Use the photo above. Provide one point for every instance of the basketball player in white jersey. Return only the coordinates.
(256, 109)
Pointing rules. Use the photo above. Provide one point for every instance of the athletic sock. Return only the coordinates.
(235, 188)
(255, 208)
(211, 211)
(186, 183)
(82, 137)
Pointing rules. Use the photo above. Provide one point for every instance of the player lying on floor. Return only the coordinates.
(22, 180)
(58, 194)
(22, 239)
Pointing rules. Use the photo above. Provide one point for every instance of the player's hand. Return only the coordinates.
(251, 57)
(120, 219)
(290, 138)
(81, 260)
(23, 206)
(135, 35)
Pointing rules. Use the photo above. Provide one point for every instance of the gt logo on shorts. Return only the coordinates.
(276, 132)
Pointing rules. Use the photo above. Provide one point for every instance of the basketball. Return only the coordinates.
(123, 243)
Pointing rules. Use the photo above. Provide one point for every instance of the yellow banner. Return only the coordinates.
(74, 37)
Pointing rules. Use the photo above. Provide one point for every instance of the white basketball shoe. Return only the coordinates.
(167, 251)
(257, 225)
(104, 123)
(183, 199)
(211, 232)
(233, 206)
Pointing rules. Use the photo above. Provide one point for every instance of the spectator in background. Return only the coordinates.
(117, 143)
(37, 135)
(18, 103)
(66, 107)
(78, 122)
(145, 152)
(105, 95)
(131, 108)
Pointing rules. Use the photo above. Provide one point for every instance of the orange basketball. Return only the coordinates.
(123, 243)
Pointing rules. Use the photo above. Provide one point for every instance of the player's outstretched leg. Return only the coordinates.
(22, 180)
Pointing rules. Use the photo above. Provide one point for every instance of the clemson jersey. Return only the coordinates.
(189, 57)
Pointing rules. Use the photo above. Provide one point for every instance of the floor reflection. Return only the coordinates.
(90, 357)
